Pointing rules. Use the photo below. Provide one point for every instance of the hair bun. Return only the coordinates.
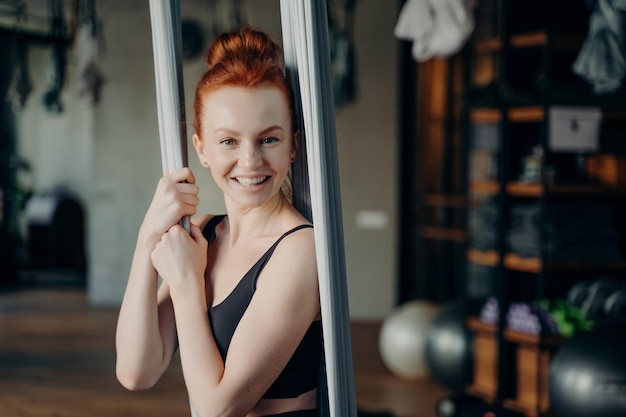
(246, 58)
(242, 45)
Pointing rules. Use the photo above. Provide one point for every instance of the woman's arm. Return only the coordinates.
(146, 333)
(146, 329)
(281, 311)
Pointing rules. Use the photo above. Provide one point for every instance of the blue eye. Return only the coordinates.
(268, 140)
(228, 141)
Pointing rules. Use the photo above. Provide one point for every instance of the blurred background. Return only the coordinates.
(96, 141)
(482, 171)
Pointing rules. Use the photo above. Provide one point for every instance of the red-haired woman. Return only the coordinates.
(239, 297)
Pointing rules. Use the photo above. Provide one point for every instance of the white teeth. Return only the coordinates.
(250, 181)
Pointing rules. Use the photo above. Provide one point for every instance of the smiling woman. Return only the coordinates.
(239, 297)
(248, 142)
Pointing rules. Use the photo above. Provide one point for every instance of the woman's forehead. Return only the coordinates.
(232, 107)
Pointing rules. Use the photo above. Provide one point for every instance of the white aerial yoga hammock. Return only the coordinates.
(307, 60)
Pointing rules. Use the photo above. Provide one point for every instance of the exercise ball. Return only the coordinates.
(599, 291)
(587, 376)
(578, 293)
(449, 349)
(402, 340)
(615, 305)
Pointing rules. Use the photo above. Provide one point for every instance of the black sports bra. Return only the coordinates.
(301, 372)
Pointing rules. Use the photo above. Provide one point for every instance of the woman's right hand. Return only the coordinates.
(176, 196)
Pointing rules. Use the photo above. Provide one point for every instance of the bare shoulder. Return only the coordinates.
(295, 256)
(300, 240)
(289, 281)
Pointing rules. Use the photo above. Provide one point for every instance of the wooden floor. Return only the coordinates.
(57, 359)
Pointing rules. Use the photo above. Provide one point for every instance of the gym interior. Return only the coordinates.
(482, 168)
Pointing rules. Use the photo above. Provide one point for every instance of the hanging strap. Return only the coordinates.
(167, 49)
(307, 60)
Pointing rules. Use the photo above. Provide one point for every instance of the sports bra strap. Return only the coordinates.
(258, 267)
(209, 229)
(288, 232)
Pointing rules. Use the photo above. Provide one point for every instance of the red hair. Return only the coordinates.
(245, 58)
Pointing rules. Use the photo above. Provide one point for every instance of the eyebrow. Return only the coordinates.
(236, 133)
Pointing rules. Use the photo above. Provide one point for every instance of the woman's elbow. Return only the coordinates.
(133, 381)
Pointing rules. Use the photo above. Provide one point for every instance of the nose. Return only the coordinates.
(251, 157)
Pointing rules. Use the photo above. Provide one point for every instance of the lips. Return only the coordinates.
(251, 182)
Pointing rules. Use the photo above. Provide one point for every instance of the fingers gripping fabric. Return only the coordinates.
(168, 69)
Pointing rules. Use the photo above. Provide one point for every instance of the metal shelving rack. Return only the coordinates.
(551, 35)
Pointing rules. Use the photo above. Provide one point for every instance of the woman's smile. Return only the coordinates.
(250, 182)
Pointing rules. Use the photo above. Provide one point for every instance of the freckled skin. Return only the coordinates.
(247, 133)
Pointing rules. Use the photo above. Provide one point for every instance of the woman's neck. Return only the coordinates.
(251, 222)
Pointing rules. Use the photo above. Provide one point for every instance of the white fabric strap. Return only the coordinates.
(307, 59)
(168, 76)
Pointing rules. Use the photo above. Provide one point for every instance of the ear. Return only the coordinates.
(199, 145)
(295, 144)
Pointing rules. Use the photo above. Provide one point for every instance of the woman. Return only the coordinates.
(249, 346)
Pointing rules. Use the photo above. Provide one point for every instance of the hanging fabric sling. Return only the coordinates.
(307, 60)
(168, 75)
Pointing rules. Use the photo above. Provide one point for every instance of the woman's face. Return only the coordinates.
(247, 142)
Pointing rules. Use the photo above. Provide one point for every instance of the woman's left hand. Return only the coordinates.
(181, 258)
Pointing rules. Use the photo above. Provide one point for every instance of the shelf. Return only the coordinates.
(481, 392)
(485, 258)
(443, 233)
(487, 45)
(509, 111)
(524, 189)
(485, 115)
(528, 40)
(523, 114)
(477, 325)
(444, 200)
(515, 262)
(532, 364)
(535, 189)
(533, 355)
(529, 410)
(485, 353)
(526, 114)
(494, 44)
(532, 339)
(486, 188)
(535, 265)
(542, 38)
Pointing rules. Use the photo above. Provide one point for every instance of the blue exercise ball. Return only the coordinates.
(449, 351)
(587, 375)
